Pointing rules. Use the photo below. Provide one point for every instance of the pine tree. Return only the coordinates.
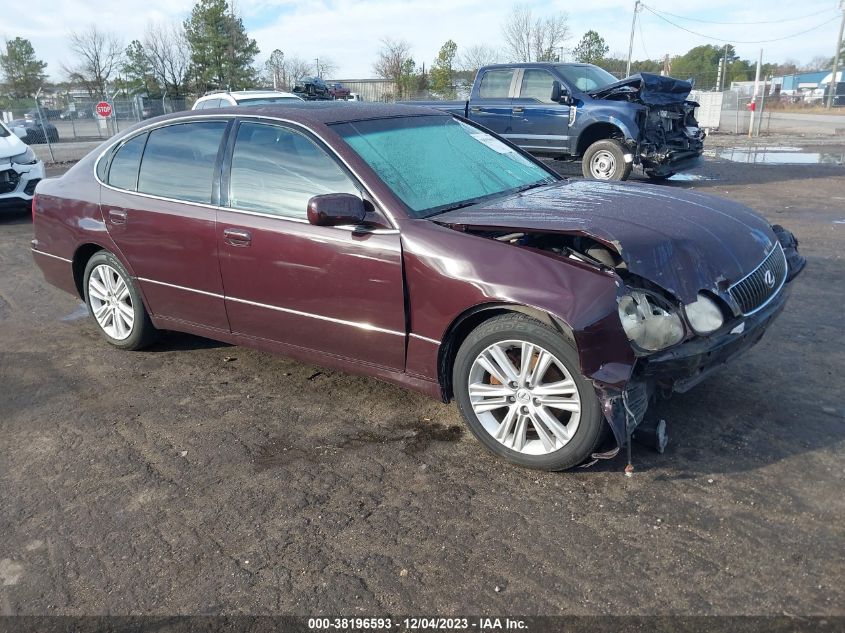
(442, 81)
(222, 53)
(23, 73)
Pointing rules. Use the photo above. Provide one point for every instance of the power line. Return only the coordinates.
(642, 39)
(796, 19)
(733, 41)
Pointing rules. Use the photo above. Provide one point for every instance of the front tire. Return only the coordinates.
(520, 390)
(115, 303)
(605, 160)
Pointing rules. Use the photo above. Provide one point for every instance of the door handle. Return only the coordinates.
(117, 216)
(475, 109)
(237, 237)
(518, 110)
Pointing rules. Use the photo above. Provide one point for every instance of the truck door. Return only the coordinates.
(539, 124)
(491, 103)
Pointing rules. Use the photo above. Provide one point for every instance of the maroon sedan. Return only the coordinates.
(418, 248)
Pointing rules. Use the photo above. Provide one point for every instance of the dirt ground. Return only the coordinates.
(202, 478)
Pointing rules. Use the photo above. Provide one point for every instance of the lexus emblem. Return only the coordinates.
(769, 278)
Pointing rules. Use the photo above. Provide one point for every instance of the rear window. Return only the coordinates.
(123, 172)
(179, 161)
(495, 84)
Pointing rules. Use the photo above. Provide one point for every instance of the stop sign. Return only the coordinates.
(103, 109)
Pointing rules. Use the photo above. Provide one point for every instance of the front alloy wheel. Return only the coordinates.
(524, 397)
(520, 390)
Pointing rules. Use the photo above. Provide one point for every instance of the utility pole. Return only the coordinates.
(833, 83)
(724, 69)
(631, 42)
(318, 66)
(754, 98)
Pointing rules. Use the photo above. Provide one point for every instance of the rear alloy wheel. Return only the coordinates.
(605, 160)
(114, 302)
(520, 391)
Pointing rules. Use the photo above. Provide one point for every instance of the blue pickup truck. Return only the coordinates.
(579, 111)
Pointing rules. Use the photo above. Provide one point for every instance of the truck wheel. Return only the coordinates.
(605, 160)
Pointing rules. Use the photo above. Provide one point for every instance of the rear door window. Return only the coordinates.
(495, 84)
(179, 161)
(123, 172)
(277, 170)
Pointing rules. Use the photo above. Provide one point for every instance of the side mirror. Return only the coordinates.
(336, 209)
(556, 91)
(560, 95)
(19, 132)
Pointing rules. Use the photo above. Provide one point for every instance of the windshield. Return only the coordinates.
(586, 78)
(435, 163)
(258, 101)
(4, 131)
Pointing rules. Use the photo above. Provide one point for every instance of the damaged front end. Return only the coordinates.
(670, 139)
(676, 345)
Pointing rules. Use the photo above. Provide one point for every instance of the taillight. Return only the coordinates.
(33, 209)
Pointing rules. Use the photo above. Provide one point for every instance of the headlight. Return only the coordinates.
(704, 315)
(26, 158)
(647, 324)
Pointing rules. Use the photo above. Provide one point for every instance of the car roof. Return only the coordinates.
(318, 112)
(256, 94)
(245, 94)
(535, 65)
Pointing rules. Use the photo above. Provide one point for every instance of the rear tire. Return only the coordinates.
(605, 160)
(519, 388)
(115, 303)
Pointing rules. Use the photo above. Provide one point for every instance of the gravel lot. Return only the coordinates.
(202, 478)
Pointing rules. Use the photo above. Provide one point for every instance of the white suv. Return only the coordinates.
(20, 169)
(225, 99)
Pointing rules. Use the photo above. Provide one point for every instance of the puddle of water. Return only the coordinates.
(80, 313)
(689, 178)
(777, 156)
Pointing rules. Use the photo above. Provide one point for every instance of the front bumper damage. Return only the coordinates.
(682, 367)
(17, 183)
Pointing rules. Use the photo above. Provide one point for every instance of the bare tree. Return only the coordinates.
(392, 59)
(99, 55)
(476, 56)
(169, 56)
(324, 66)
(295, 69)
(530, 39)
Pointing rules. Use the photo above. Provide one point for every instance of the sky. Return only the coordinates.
(349, 31)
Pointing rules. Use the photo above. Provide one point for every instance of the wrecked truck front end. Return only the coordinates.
(668, 138)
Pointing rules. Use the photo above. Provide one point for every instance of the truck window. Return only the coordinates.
(496, 84)
(536, 84)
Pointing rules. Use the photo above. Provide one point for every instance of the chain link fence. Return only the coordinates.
(60, 118)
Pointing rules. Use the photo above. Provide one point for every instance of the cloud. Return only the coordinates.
(349, 31)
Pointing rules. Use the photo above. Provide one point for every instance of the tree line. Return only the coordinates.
(211, 49)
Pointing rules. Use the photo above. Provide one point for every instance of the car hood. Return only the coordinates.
(10, 146)
(648, 88)
(682, 241)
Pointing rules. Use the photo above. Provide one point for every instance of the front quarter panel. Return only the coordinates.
(449, 272)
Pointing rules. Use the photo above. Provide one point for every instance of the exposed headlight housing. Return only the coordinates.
(26, 158)
(647, 323)
(704, 315)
